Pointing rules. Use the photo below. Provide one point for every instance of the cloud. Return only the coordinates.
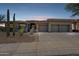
(38, 18)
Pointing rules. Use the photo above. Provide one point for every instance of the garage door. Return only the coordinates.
(64, 28)
(54, 28)
(43, 28)
(60, 28)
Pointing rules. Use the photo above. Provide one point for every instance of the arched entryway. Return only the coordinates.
(29, 27)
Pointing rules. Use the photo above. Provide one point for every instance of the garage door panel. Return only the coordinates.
(54, 28)
(43, 28)
(64, 28)
(60, 28)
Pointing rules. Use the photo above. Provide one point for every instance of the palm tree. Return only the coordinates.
(73, 8)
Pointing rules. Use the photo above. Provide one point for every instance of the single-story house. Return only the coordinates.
(52, 25)
(49, 25)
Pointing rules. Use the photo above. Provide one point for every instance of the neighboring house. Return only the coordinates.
(49, 25)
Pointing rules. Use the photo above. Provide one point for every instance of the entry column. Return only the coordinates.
(37, 28)
(27, 27)
(49, 27)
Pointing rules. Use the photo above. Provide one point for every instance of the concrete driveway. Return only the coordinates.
(47, 44)
(58, 43)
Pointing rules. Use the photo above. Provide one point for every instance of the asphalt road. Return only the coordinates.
(46, 44)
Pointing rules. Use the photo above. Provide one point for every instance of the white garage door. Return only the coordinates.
(64, 28)
(60, 28)
(43, 28)
(54, 28)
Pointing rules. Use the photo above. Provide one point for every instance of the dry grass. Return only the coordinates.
(17, 38)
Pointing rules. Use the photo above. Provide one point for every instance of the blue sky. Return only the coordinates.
(31, 11)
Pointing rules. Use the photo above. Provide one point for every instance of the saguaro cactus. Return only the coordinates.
(8, 23)
(14, 24)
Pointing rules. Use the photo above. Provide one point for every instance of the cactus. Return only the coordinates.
(14, 24)
(8, 23)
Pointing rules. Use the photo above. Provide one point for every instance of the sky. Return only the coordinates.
(35, 11)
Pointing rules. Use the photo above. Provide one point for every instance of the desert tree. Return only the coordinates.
(2, 17)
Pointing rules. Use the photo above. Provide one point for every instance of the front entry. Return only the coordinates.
(29, 27)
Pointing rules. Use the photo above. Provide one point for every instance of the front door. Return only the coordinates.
(31, 25)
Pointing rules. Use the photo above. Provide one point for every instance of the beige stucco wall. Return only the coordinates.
(42, 26)
(77, 26)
